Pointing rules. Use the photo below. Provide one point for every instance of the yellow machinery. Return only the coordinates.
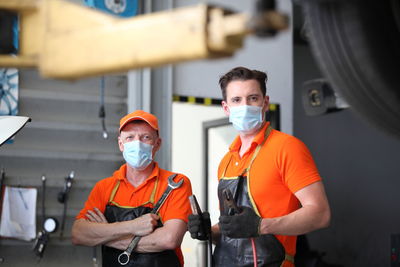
(69, 41)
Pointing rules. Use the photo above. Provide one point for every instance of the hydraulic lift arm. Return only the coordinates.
(69, 41)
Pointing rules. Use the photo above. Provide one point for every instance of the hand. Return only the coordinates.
(96, 216)
(242, 225)
(199, 226)
(145, 224)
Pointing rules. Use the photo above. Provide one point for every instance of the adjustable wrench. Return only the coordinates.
(123, 258)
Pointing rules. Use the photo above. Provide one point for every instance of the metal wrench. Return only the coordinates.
(124, 257)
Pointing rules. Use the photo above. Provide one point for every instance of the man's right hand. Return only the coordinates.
(199, 226)
(145, 224)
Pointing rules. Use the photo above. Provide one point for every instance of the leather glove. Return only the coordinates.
(199, 226)
(242, 225)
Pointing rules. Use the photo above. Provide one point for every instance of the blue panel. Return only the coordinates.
(122, 8)
(15, 33)
(8, 91)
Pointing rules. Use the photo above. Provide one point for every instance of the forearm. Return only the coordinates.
(89, 233)
(167, 237)
(304, 220)
(121, 243)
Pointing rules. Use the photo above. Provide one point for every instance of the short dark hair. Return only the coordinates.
(243, 74)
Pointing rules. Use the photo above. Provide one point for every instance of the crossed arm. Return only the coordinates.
(96, 230)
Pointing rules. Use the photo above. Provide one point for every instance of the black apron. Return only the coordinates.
(117, 213)
(237, 252)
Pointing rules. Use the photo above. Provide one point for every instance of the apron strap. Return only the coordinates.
(114, 191)
(152, 196)
(150, 201)
(288, 258)
(266, 134)
(253, 203)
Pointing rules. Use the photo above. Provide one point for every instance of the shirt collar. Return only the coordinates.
(257, 140)
(121, 173)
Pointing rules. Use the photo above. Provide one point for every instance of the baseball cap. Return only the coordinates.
(139, 115)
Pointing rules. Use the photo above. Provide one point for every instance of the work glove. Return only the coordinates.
(199, 226)
(241, 225)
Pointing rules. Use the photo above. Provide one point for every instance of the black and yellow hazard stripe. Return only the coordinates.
(197, 100)
(273, 114)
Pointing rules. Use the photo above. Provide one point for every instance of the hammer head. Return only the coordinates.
(171, 182)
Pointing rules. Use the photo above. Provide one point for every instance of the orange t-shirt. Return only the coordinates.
(176, 206)
(283, 166)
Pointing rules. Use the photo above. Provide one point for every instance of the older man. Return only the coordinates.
(118, 208)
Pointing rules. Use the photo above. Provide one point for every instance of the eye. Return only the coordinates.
(253, 98)
(146, 137)
(236, 100)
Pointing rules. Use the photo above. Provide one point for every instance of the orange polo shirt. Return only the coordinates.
(176, 206)
(283, 166)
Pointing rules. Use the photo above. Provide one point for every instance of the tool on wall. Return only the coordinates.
(102, 110)
(124, 257)
(63, 198)
(49, 226)
(196, 210)
(94, 257)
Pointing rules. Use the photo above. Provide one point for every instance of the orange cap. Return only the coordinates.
(139, 115)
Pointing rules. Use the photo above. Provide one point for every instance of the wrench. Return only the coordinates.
(123, 258)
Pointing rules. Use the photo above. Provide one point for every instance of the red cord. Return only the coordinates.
(253, 245)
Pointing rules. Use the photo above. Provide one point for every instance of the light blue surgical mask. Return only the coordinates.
(245, 118)
(138, 154)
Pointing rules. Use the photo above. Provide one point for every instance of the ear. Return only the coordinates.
(120, 144)
(266, 104)
(157, 146)
(225, 107)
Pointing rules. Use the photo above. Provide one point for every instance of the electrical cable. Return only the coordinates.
(253, 245)
(2, 177)
(102, 111)
(43, 197)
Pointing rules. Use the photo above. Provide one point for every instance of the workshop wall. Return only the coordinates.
(65, 135)
(272, 55)
(360, 169)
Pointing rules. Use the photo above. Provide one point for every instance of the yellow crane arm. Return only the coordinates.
(69, 41)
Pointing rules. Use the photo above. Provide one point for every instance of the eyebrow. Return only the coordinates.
(253, 95)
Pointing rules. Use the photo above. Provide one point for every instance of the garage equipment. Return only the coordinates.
(96, 43)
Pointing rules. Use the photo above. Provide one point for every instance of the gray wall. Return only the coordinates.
(272, 55)
(361, 172)
(64, 135)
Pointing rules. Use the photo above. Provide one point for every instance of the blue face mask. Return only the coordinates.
(246, 118)
(137, 154)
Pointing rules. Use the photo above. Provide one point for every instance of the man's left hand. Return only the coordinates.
(96, 215)
(242, 225)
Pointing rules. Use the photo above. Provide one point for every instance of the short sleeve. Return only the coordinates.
(97, 199)
(177, 205)
(297, 166)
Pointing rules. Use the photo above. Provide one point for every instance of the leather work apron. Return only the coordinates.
(117, 213)
(238, 251)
